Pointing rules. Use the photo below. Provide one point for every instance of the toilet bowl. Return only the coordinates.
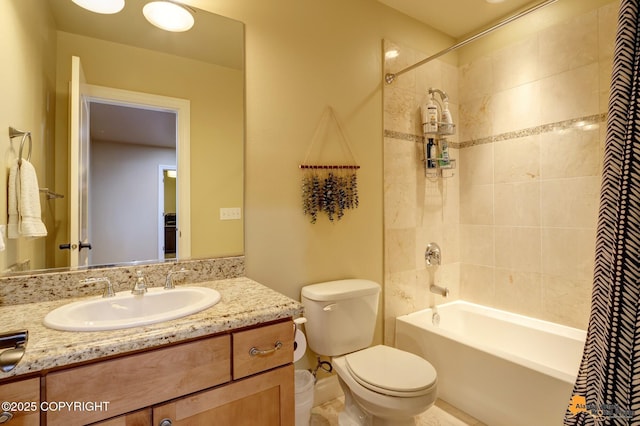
(384, 386)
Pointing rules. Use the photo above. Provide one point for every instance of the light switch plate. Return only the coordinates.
(230, 213)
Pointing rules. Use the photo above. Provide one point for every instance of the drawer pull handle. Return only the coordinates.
(5, 416)
(259, 352)
(165, 422)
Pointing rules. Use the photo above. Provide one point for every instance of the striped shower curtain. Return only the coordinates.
(607, 389)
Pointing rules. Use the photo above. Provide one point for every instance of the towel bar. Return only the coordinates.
(14, 133)
(50, 194)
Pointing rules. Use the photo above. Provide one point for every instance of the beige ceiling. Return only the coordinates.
(213, 39)
(458, 18)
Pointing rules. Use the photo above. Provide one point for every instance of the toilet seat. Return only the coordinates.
(391, 371)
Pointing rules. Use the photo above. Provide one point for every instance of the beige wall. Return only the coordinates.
(27, 84)
(216, 109)
(301, 57)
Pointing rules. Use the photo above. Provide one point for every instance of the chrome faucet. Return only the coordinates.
(140, 287)
(168, 284)
(432, 255)
(108, 288)
(436, 289)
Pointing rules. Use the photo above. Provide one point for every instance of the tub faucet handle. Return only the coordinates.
(432, 255)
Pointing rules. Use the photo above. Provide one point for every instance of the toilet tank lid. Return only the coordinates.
(340, 289)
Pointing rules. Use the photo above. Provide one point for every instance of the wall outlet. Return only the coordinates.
(230, 213)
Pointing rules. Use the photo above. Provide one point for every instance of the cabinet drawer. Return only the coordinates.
(136, 381)
(257, 349)
(25, 395)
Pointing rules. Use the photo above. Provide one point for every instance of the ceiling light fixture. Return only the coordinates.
(390, 54)
(168, 15)
(106, 7)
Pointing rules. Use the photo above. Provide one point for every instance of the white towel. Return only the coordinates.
(24, 202)
(12, 202)
(3, 229)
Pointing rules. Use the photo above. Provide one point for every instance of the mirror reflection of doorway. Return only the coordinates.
(168, 211)
(128, 144)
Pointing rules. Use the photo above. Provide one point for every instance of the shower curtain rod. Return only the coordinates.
(390, 77)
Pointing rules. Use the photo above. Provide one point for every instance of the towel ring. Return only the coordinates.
(13, 133)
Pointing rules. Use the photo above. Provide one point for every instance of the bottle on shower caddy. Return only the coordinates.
(443, 160)
(431, 154)
(447, 120)
(430, 117)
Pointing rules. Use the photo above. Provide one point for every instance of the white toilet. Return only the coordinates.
(382, 385)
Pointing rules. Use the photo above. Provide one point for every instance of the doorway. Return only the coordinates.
(131, 135)
(167, 211)
(127, 144)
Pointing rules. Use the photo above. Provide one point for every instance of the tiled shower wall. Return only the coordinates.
(517, 221)
(417, 209)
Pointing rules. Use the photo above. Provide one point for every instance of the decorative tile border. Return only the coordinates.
(403, 136)
(538, 130)
(531, 131)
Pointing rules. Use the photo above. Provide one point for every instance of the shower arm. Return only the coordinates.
(391, 77)
(442, 94)
(443, 97)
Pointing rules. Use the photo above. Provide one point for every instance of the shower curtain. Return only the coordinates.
(607, 389)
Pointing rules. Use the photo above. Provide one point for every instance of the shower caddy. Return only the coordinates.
(437, 124)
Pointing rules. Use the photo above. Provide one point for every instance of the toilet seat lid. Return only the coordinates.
(391, 371)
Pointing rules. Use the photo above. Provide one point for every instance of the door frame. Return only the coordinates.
(161, 212)
(181, 107)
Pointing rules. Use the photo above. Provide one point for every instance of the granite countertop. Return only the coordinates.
(244, 303)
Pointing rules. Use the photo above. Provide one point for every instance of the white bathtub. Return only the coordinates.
(502, 368)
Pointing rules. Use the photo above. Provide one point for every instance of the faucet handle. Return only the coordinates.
(108, 288)
(432, 255)
(140, 287)
(168, 284)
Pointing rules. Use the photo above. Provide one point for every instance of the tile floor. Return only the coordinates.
(441, 414)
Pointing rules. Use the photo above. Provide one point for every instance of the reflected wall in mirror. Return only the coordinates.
(204, 65)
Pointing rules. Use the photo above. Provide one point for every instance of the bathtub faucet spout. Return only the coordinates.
(442, 291)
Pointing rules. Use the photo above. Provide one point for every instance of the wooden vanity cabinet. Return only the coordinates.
(24, 402)
(261, 394)
(214, 380)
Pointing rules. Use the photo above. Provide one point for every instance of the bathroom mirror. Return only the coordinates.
(204, 66)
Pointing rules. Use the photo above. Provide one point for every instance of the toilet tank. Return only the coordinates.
(341, 315)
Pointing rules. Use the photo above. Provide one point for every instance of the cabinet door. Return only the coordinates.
(137, 418)
(24, 402)
(265, 399)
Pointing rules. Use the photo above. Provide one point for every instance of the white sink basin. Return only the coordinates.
(125, 310)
